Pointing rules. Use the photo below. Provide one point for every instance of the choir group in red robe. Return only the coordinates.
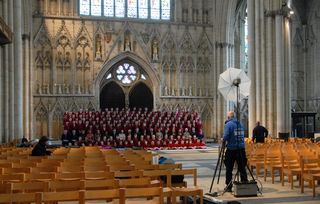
(133, 128)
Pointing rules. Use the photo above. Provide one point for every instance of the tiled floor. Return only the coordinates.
(205, 162)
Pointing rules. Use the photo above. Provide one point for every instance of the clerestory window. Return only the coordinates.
(141, 9)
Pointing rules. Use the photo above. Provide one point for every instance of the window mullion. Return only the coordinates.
(160, 3)
(114, 8)
(126, 8)
(149, 9)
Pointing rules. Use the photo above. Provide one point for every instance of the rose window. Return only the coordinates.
(126, 73)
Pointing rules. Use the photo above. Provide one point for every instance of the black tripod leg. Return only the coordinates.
(250, 172)
(222, 159)
(215, 171)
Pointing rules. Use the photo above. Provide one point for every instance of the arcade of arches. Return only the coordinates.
(167, 57)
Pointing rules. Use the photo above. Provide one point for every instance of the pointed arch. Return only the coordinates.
(154, 77)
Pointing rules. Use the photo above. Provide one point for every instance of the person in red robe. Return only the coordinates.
(135, 139)
(80, 142)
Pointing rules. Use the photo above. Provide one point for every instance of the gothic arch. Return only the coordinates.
(154, 77)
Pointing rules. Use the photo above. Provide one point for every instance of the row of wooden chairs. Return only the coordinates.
(121, 194)
(300, 159)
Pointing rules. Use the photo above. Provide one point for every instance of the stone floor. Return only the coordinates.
(205, 162)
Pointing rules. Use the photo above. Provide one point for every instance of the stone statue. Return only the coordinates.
(98, 47)
(39, 88)
(190, 91)
(127, 43)
(66, 88)
(166, 91)
(79, 89)
(155, 50)
(183, 92)
(172, 92)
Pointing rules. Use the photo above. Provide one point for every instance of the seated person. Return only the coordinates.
(80, 142)
(40, 148)
(165, 144)
(24, 142)
(65, 138)
(159, 144)
(194, 139)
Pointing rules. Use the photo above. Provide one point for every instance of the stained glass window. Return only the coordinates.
(143, 8)
(246, 43)
(84, 7)
(120, 8)
(132, 9)
(155, 9)
(143, 77)
(126, 73)
(96, 7)
(109, 76)
(109, 8)
(165, 9)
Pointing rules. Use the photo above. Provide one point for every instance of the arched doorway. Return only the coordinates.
(112, 96)
(140, 97)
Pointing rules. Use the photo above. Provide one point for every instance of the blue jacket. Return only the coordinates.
(234, 138)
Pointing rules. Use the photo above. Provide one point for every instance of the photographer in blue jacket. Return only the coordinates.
(234, 136)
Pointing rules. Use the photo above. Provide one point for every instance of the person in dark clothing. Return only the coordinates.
(234, 135)
(40, 148)
(259, 133)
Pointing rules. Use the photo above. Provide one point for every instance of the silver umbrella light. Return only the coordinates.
(234, 84)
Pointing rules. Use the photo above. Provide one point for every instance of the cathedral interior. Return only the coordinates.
(70, 55)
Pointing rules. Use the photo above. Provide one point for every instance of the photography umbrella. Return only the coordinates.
(234, 81)
(234, 85)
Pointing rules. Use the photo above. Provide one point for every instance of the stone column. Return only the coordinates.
(251, 65)
(263, 69)
(1, 93)
(26, 102)
(5, 89)
(270, 78)
(257, 60)
(18, 80)
(280, 100)
(288, 75)
(190, 13)
(178, 11)
(218, 95)
(11, 76)
(200, 20)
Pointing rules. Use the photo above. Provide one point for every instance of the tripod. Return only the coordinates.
(218, 166)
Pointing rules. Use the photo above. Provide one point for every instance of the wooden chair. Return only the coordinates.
(102, 195)
(59, 196)
(98, 175)
(310, 171)
(186, 191)
(144, 193)
(6, 178)
(291, 166)
(128, 174)
(272, 162)
(16, 170)
(70, 176)
(29, 187)
(21, 198)
(66, 185)
(40, 177)
(135, 183)
(48, 169)
(121, 168)
(101, 184)
(170, 166)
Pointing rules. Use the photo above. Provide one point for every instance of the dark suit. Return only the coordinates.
(259, 133)
(40, 150)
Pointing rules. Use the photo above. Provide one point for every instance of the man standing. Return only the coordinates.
(259, 133)
(234, 135)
